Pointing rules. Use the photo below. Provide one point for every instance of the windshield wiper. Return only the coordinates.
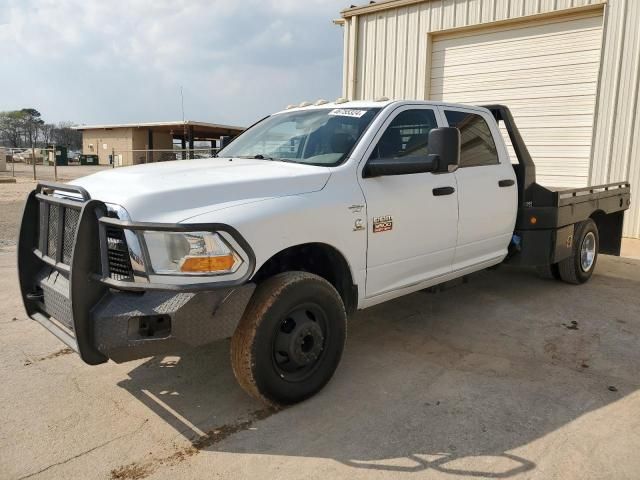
(260, 156)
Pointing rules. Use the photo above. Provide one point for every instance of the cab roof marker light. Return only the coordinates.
(305, 104)
(290, 106)
(341, 100)
(322, 101)
(381, 99)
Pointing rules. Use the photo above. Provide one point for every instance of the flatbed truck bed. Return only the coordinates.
(547, 216)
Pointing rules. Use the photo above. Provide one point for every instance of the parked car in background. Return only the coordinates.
(73, 156)
(28, 154)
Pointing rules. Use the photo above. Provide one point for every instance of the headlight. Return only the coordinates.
(191, 253)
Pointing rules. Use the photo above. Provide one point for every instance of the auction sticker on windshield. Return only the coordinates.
(347, 112)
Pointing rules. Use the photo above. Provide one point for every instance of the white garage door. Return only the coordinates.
(546, 72)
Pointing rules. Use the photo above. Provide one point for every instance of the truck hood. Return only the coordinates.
(174, 191)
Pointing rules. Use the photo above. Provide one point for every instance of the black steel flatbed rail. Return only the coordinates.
(583, 194)
(570, 207)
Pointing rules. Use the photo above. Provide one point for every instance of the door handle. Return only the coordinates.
(506, 183)
(438, 192)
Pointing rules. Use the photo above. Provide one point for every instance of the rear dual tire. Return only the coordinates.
(579, 267)
(290, 339)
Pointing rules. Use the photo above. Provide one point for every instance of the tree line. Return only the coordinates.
(26, 128)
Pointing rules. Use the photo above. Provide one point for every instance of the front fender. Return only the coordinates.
(273, 225)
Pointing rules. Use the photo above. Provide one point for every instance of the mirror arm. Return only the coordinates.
(387, 166)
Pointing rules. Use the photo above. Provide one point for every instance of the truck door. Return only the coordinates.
(412, 220)
(487, 189)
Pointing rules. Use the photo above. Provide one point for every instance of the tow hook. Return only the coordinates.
(37, 295)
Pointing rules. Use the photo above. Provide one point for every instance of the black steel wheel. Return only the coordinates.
(290, 339)
(298, 343)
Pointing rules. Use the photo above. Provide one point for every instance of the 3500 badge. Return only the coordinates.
(382, 224)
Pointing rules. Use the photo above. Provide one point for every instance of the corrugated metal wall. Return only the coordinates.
(616, 146)
(387, 53)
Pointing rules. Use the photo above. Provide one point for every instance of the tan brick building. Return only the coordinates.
(132, 144)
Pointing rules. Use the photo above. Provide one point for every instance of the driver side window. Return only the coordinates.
(407, 135)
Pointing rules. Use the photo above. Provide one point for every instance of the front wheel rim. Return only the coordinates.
(300, 342)
(588, 252)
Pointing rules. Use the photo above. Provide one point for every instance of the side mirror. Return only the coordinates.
(445, 144)
(443, 157)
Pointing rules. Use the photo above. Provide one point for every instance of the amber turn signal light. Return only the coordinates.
(222, 263)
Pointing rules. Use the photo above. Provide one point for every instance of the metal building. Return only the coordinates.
(569, 70)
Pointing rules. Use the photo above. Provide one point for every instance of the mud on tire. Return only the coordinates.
(290, 339)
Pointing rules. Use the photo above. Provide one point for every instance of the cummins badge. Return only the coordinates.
(382, 224)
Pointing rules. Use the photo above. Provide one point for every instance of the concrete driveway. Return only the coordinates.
(508, 376)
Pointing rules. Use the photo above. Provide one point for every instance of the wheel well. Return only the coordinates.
(609, 231)
(320, 259)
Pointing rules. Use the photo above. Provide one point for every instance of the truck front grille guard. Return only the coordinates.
(56, 237)
(85, 267)
(62, 232)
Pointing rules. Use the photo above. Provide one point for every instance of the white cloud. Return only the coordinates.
(116, 61)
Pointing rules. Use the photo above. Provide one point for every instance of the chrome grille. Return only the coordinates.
(118, 255)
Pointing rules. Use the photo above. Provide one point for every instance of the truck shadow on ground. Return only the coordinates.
(453, 382)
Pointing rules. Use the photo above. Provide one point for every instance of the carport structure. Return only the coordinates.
(104, 140)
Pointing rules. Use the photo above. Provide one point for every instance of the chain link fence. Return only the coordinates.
(50, 164)
(125, 158)
(32, 162)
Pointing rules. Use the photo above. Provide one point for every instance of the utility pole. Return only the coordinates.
(184, 124)
(182, 102)
(33, 158)
(55, 163)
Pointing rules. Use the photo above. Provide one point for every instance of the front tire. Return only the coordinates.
(579, 267)
(290, 339)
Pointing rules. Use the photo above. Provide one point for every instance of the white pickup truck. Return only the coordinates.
(309, 215)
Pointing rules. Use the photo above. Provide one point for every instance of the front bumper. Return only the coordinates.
(65, 285)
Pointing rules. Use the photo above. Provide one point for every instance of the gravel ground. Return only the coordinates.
(12, 196)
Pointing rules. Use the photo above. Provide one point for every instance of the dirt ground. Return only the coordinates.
(13, 195)
(508, 376)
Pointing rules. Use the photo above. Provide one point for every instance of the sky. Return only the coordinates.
(116, 61)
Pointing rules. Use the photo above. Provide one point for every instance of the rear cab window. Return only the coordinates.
(478, 147)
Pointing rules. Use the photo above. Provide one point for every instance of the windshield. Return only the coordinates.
(315, 137)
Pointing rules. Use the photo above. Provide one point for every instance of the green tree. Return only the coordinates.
(31, 121)
(65, 135)
(11, 133)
